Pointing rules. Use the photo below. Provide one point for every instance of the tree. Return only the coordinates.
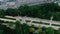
(18, 27)
(11, 24)
(25, 29)
(49, 30)
(44, 30)
(33, 11)
(1, 31)
(30, 11)
(56, 16)
(23, 10)
(2, 13)
(40, 30)
(12, 12)
(53, 7)
(32, 29)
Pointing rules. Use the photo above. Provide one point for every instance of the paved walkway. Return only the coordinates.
(34, 19)
(37, 20)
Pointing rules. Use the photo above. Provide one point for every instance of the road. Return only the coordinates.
(34, 19)
(38, 20)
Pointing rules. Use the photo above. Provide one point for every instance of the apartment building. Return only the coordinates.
(16, 3)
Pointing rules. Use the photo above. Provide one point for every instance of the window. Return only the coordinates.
(0, 2)
(12, 0)
(56, 0)
(49, 0)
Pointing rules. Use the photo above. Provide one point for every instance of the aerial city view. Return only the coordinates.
(29, 16)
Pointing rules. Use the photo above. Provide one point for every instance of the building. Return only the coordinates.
(57, 1)
(4, 4)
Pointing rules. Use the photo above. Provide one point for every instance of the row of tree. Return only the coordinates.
(25, 29)
(44, 11)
